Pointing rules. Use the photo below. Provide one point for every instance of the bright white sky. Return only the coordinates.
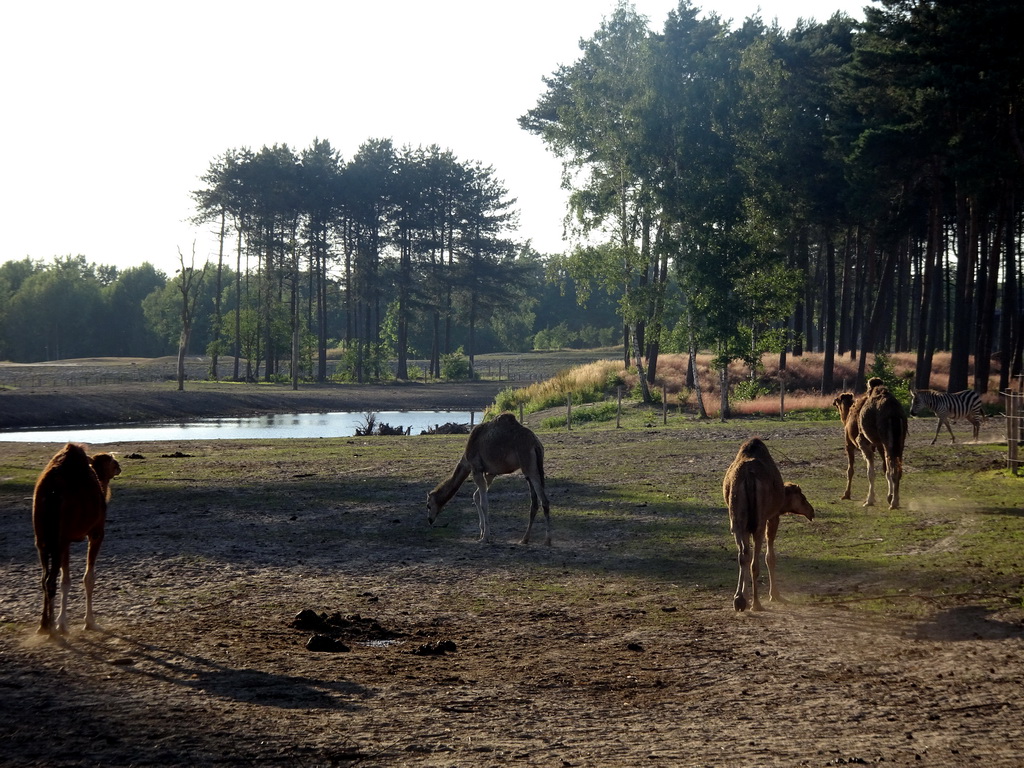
(112, 110)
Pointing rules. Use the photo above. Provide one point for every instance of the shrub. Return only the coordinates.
(751, 389)
(597, 413)
(455, 365)
(882, 367)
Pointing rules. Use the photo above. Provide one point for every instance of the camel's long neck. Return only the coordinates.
(447, 489)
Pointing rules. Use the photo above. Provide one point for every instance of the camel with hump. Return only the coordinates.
(757, 498)
(874, 422)
(70, 504)
(498, 447)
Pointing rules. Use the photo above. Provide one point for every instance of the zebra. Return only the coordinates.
(947, 406)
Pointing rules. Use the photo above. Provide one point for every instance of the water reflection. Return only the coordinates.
(280, 425)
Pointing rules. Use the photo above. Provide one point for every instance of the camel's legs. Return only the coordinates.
(483, 482)
(89, 580)
(534, 504)
(51, 568)
(65, 589)
(869, 459)
(850, 456)
(755, 571)
(769, 559)
(538, 498)
(893, 472)
(739, 601)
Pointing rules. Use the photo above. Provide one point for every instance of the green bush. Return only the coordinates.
(598, 413)
(882, 368)
(751, 390)
(455, 366)
(508, 400)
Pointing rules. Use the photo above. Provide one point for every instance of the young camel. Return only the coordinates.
(875, 422)
(849, 409)
(757, 498)
(497, 447)
(70, 504)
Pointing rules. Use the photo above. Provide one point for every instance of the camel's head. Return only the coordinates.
(106, 466)
(796, 502)
(433, 507)
(843, 404)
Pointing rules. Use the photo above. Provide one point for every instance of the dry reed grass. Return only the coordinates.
(584, 383)
(802, 375)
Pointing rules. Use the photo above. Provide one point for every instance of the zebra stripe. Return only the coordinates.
(949, 406)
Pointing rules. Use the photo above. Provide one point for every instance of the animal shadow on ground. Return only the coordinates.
(968, 622)
(212, 678)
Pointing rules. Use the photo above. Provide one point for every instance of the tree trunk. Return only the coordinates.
(987, 307)
(1007, 339)
(238, 303)
(644, 389)
(828, 315)
(723, 383)
(215, 346)
(295, 312)
(967, 226)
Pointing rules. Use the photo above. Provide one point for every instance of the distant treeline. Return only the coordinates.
(839, 187)
(71, 308)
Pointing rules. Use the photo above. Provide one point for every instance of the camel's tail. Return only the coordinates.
(750, 498)
(743, 504)
(46, 516)
(898, 439)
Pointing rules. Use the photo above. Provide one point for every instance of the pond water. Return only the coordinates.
(280, 425)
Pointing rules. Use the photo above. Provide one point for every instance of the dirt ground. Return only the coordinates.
(447, 652)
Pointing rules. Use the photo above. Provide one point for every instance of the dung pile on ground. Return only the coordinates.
(331, 631)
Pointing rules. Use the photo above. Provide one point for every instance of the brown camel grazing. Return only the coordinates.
(70, 504)
(757, 498)
(497, 447)
(875, 422)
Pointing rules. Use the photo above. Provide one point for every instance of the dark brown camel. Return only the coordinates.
(875, 422)
(70, 504)
(497, 447)
(757, 498)
(883, 428)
